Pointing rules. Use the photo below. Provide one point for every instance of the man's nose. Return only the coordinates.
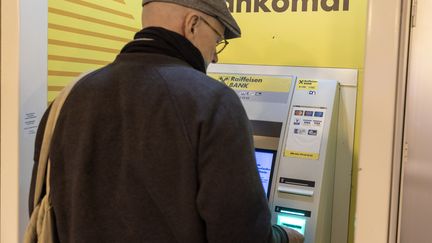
(215, 58)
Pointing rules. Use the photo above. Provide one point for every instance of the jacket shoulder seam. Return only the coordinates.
(177, 112)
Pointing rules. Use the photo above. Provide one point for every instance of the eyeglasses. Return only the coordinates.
(220, 46)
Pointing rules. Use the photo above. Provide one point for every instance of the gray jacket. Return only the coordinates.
(147, 149)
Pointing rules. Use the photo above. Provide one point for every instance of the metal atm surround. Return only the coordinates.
(302, 190)
(348, 79)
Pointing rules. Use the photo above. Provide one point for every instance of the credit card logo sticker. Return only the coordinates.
(298, 113)
(312, 132)
(308, 113)
(318, 114)
(300, 131)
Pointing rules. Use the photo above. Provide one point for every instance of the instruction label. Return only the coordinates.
(305, 132)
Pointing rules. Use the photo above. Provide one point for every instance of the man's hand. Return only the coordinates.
(293, 235)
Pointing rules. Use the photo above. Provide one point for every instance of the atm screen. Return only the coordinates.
(265, 160)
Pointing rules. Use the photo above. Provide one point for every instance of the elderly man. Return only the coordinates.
(150, 149)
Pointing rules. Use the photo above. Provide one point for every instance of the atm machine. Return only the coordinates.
(302, 194)
(294, 122)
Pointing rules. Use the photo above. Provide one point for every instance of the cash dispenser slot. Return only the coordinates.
(293, 218)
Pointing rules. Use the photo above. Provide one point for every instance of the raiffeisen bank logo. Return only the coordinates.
(279, 6)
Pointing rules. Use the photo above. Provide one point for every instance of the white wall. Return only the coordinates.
(23, 94)
(33, 90)
(377, 123)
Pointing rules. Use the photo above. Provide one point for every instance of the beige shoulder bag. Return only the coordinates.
(41, 227)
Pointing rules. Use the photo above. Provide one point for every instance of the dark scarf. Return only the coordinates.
(162, 41)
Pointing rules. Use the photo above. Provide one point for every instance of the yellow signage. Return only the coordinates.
(85, 35)
(313, 33)
(254, 82)
(307, 84)
(301, 155)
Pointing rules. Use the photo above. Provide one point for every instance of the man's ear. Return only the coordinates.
(190, 25)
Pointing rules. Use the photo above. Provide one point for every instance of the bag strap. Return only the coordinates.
(44, 163)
